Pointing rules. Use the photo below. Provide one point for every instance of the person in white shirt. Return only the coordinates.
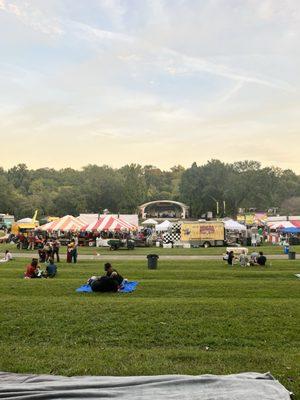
(7, 257)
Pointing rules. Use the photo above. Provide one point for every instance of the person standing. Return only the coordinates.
(55, 249)
(69, 252)
(74, 253)
(31, 241)
(230, 258)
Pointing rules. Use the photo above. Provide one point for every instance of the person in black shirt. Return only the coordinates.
(112, 273)
(261, 259)
(230, 258)
(110, 282)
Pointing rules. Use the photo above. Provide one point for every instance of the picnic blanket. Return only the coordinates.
(127, 287)
(245, 386)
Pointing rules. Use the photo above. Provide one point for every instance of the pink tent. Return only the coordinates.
(108, 223)
(66, 224)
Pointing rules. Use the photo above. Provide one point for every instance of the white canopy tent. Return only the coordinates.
(164, 226)
(150, 222)
(25, 221)
(232, 225)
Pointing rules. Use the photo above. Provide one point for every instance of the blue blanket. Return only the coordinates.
(127, 287)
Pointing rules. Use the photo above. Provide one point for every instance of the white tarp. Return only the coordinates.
(164, 226)
(234, 226)
(246, 386)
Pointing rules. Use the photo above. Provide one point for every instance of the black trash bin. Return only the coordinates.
(292, 255)
(152, 261)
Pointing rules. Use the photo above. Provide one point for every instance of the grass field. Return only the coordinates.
(184, 318)
(268, 249)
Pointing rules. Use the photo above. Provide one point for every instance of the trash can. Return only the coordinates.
(286, 249)
(152, 261)
(292, 255)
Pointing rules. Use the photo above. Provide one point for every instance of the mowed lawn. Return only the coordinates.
(186, 317)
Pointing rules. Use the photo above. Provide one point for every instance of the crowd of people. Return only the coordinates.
(256, 258)
(111, 281)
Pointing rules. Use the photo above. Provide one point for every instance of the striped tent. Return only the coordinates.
(282, 225)
(108, 223)
(295, 222)
(67, 223)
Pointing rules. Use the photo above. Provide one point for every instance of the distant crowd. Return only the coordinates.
(256, 258)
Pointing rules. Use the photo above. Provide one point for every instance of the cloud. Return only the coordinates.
(32, 17)
(131, 78)
(169, 60)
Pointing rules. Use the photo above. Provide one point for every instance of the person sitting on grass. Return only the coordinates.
(51, 269)
(112, 273)
(7, 257)
(110, 282)
(261, 259)
(32, 270)
(253, 257)
(244, 259)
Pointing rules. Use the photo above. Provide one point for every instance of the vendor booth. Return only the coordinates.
(108, 223)
(106, 228)
(68, 223)
(235, 232)
(164, 226)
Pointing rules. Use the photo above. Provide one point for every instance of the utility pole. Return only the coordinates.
(217, 204)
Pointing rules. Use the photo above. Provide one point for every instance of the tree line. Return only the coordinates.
(92, 189)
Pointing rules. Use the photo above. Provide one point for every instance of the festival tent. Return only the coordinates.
(25, 221)
(232, 225)
(282, 225)
(164, 226)
(66, 224)
(90, 218)
(291, 230)
(295, 222)
(108, 223)
(150, 222)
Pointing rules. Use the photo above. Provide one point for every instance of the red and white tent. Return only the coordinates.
(108, 223)
(67, 223)
(295, 222)
(282, 225)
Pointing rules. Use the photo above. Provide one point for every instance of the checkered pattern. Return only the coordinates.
(174, 235)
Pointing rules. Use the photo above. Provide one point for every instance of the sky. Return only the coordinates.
(155, 82)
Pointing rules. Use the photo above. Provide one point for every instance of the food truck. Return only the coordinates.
(206, 233)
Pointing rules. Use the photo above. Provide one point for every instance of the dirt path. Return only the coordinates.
(87, 257)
